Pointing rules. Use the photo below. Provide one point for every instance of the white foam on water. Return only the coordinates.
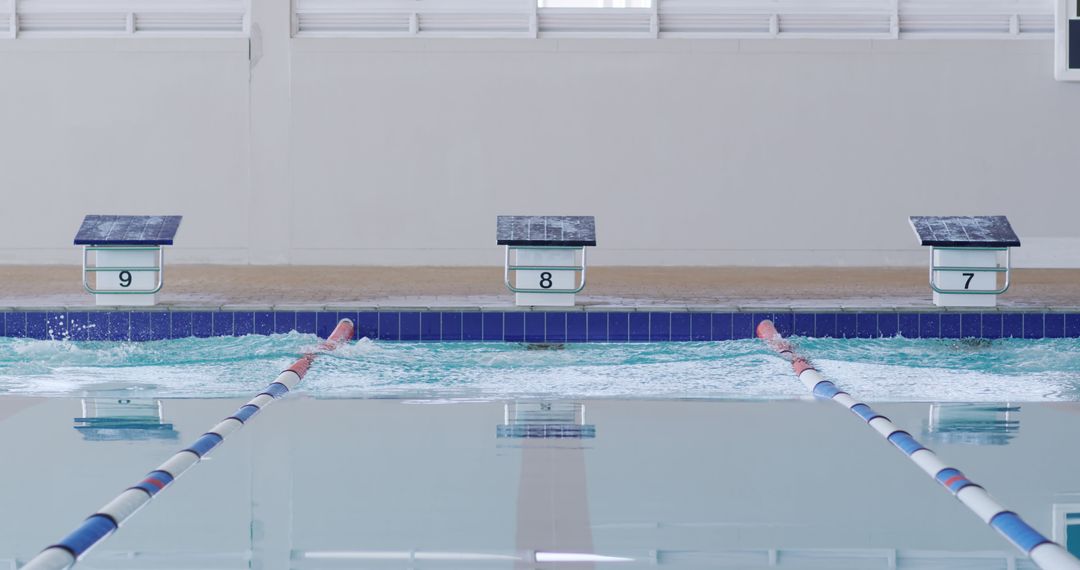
(893, 383)
(873, 369)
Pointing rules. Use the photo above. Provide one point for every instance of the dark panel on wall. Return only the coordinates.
(1074, 43)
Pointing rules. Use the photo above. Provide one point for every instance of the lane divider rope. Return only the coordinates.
(1045, 553)
(107, 519)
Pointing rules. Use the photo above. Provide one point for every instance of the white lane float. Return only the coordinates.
(107, 519)
(1046, 553)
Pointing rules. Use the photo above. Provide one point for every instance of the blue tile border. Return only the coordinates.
(98, 326)
(991, 325)
(139, 326)
(1012, 325)
(1054, 324)
(909, 325)
(618, 328)
(389, 326)
(513, 327)
(701, 326)
(951, 325)
(409, 326)
(847, 325)
(243, 323)
(430, 327)
(36, 326)
(451, 326)
(888, 324)
(367, 325)
(597, 327)
(680, 327)
(284, 321)
(78, 325)
(264, 322)
(553, 326)
(638, 327)
(305, 322)
(472, 326)
(535, 326)
(803, 324)
(119, 325)
(866, 325)
(222, 323)
(160, 325)
(493, 327)
(577, 327)
(742, 326)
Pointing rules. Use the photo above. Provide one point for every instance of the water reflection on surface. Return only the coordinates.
(111, 419)
(331, 484)
(972, 424)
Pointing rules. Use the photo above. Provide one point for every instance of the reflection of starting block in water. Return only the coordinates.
(541, 265)
(964, 252)
(972, 424)
(545, 420)
(123, 419)
(128, 266)
(1067, 526)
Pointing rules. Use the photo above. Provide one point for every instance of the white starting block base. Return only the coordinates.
(979, 281)
(530, 279)
(136, 280)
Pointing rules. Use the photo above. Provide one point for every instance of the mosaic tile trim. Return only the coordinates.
(535, 326)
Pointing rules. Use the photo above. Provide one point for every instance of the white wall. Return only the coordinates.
(402, 151)
(99, 126)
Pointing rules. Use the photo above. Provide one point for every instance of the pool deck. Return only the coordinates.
(705, 288)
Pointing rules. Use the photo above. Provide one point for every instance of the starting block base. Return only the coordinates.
(554, 280)
(127, 277)
(971, 282)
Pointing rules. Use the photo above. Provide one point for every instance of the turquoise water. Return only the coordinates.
(893, 369)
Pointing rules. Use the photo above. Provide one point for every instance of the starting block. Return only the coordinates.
(965, 256)
(128, 259)
(542, 265)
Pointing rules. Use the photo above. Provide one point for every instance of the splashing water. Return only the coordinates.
(893, 369)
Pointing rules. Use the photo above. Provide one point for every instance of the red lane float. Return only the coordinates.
(1045, 553)
(106, 520)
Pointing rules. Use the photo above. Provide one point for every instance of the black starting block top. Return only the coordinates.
(570, 231)
(964, 231)
(127, 230)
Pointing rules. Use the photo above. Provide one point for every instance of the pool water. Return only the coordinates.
(411, 484)
(410, 456)
(892, 369)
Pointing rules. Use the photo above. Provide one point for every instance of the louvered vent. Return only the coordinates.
(1037, 24)
(358, 23)
(118, 18)
(839, 24)
(67, 22)
(443, 22)
(955, 24)
(622, 21)
(693, 18)
(689, 23)
(180, 22)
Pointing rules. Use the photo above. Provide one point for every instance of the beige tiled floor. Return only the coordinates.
(216, 285)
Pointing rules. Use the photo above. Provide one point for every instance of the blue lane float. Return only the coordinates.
(1045, 553)
(109, 518)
